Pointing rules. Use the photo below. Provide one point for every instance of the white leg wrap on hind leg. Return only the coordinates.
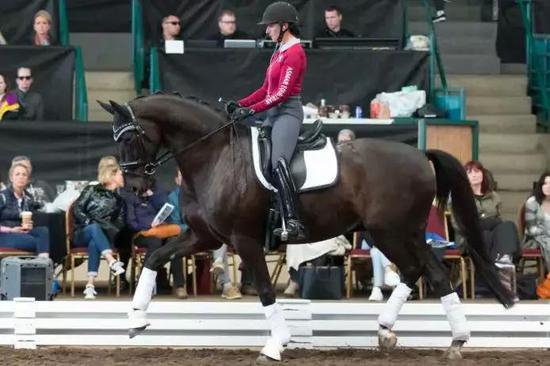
(393, 306)
(455, 316)
(144, 289)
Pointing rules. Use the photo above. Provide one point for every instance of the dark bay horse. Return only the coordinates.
(384, 187)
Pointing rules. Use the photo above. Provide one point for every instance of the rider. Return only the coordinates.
(280, 97)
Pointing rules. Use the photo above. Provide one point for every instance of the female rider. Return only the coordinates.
(280, 97)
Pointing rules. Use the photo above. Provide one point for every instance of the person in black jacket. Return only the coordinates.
(13, 201)
(98, 217)
(227, 24)
(333, 21)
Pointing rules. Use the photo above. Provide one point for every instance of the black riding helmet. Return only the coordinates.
(279, 12)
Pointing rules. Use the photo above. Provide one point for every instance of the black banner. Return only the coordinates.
(99, 16)
(510, 33)
(52, 70)
(17, 19)
(71, 150)
(542, 16)
(369, 18)
(339, 77)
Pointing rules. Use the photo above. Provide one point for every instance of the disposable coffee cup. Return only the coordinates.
(26, 218)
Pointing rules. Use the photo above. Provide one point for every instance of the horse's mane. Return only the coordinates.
(173, 106)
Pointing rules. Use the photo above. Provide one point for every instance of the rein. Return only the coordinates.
(151, 167)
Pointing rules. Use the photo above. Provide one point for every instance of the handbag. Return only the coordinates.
(321, 282)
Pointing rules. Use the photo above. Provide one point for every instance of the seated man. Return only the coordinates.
(31, 102)
(227, 24)
(333, 21)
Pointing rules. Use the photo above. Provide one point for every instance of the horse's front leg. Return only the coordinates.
(253, 257)
(183, 245)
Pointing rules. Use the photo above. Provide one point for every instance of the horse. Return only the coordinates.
(386, 188)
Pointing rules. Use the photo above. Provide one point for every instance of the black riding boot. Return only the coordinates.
(287, 197)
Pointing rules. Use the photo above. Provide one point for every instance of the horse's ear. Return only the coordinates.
(120, 109)
(106, 106)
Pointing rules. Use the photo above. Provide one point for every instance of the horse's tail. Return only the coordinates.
(451, 178)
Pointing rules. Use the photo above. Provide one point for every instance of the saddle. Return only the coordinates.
(310, 139)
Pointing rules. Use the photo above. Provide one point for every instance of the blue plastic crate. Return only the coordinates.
(453, 102)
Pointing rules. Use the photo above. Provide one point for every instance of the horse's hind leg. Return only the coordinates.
(402, 251)
(253, 257)
(438, 277)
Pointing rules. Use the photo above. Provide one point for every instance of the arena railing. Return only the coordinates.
(538, 65)
(138, 48)
(81, 93)
(63, 23)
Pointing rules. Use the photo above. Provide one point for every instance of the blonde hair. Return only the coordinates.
(16, 165)
(107, 168)
(44, 14)
(107, 160)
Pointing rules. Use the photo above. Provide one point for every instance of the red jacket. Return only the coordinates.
(283, 78)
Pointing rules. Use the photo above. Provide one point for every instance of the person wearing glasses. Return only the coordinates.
(227, 24)
(171, 29)
(31, 102)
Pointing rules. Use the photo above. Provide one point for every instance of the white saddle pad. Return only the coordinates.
(321, 166)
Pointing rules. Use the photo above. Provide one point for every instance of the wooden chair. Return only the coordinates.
(529, 254)
(278, 257)
(355, 253)
(136, 263)
(79, 251)
(438, 223)
(191, 262)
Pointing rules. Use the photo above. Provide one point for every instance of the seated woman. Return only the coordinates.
(42, 29)
(13, 201)
(537, 218)
(500, 236)
(9, 106)
(141, 210)
(98, 217)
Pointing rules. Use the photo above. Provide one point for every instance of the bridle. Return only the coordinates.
(150, 166)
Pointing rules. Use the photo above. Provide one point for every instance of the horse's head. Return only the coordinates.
(139, 143)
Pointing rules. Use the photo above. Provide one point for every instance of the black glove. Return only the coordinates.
(241, 113)
(230, 107)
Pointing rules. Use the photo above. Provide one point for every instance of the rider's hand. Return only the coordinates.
(241, 113)
(230, 107)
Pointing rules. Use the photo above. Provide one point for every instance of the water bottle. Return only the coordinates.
(358, 112)
(323, 102)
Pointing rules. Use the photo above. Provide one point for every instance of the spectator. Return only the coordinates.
(171, 29)
(9, 106)
(440, 15)
(383, 272)
(298, 254)
(31, 102)
(333, 22)
(219, 267)
(40, 190)
(42, 27)
(500, 236)
(98, 217)
(537, 218)
(345, 135)
(13, 201)
(141, 210)
(227, 24)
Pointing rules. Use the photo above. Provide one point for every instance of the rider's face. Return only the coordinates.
(274, 29)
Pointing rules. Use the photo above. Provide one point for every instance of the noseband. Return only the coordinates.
(150, 166)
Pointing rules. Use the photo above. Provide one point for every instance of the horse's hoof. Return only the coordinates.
(132, 332)
(387, 340)
(263, 359)
(272, 349)
(453, 353)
